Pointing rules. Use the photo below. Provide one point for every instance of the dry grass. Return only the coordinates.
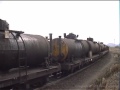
(101, 82)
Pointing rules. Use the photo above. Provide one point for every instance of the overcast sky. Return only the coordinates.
(97, 19)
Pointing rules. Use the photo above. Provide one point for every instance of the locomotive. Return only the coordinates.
(27, 59)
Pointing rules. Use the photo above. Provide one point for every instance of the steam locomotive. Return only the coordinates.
(27, 59)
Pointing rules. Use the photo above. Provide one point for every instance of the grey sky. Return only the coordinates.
(97, 19)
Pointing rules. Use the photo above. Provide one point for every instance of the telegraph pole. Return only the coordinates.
(114, 42)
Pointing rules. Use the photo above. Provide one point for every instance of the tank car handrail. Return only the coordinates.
(20, 32)
(25, 58)
(19, 56)
(17, 44)
(78, 40)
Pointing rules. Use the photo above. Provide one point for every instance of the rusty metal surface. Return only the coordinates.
(74, 48)
(97, 48)
(85, 47)
(102, 46)
(37, 48)
(92, 47)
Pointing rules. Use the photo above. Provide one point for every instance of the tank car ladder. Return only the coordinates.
(21, 59)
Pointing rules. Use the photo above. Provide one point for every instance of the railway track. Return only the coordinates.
(54, 81)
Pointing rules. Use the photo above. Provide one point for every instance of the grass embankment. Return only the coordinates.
(101, 82)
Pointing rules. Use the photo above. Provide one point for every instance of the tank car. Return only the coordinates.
(24, 59)
(69, 49)
(88, 46)
(102, 46)
(94, 47)
(18, 48)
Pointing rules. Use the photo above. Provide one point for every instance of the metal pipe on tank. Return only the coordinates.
(50, 43)
(59, 45)
(64, 35)
(90, 54)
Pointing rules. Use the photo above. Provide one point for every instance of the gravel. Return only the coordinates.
(82, 80)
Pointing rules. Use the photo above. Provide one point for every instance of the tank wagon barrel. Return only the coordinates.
(33, 48)
(85, 47)
(69, 48)
(35, 51)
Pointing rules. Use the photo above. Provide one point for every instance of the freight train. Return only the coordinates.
(26, 59)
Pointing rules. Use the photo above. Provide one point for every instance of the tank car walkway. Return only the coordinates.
(13, 76)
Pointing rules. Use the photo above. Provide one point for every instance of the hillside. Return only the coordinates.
(112, 44)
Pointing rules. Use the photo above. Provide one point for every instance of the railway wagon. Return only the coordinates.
(72, 52)
(24, 58)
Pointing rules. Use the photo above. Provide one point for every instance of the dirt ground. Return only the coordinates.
(92, 78)
(109, 80)
(112, 82)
